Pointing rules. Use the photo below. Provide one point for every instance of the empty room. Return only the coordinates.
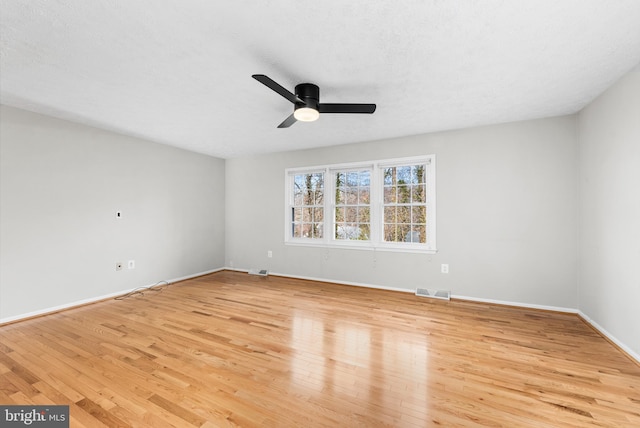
(320, 214)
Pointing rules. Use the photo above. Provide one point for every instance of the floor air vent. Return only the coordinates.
(434, 294)
(261, 272)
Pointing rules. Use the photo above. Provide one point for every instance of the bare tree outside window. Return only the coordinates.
(404, 205)
(353, 205)
(308, 206)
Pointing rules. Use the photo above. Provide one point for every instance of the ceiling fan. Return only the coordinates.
(306, 102)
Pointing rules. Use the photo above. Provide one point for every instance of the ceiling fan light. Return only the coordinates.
(306, 114)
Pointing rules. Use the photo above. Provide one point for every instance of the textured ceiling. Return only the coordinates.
(179, 72)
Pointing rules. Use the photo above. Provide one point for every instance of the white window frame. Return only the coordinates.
(376, 206)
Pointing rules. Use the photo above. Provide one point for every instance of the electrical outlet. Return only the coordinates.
(444, 268)
(119, 266)
(269, 253)
(131, 264)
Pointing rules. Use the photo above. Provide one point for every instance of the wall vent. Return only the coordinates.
(434, 294)
(261, 272)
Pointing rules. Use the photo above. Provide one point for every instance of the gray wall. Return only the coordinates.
(61, 184)
(506, 206)
(609, 202)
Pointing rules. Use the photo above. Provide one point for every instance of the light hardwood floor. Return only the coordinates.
(230, 349)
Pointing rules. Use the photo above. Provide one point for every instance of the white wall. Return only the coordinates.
(61, 184)
(506, 207)
(609, 202)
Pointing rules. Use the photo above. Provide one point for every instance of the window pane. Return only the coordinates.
(364, 196)
(352, 179)
(389, 214)
(351, 214)
(317, 181)
(420, 232)
(419, 214)
(364, 215)
(317, 230)
(306, 230)
(365, 178)
(404, 194)
(404, 214)
(404, 174)
(306, 214)
(390, 232)
(417, 172)
(389, 176)
(365, 231)
(340, 214)
(351, 196)
(417, 193)
(318, 214)
(390, 194)
(404, 234)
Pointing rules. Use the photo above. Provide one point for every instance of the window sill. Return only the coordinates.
(364, 247)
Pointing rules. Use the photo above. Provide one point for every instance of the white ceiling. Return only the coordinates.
(179, 72)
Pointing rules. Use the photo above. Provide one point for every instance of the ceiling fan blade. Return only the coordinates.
(271, 84)
(346, 108)
(288, 122)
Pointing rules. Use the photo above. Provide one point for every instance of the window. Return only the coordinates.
(387, 204)
(352, 218)
(404, 204)
(307, 211)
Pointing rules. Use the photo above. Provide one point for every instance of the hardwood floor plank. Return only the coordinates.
(230, 349)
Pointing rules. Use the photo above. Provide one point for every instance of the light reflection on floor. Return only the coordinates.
(351, 360)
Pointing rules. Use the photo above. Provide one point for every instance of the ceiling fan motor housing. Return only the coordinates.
(309, 93)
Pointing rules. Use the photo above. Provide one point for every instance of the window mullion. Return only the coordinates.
(376, 208)
(329, 206)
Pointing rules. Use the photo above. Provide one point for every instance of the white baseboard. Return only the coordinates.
(412, 291)
(611, 337)
(517, 304)
(335, 281)
(595, 325)
(92, 300)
